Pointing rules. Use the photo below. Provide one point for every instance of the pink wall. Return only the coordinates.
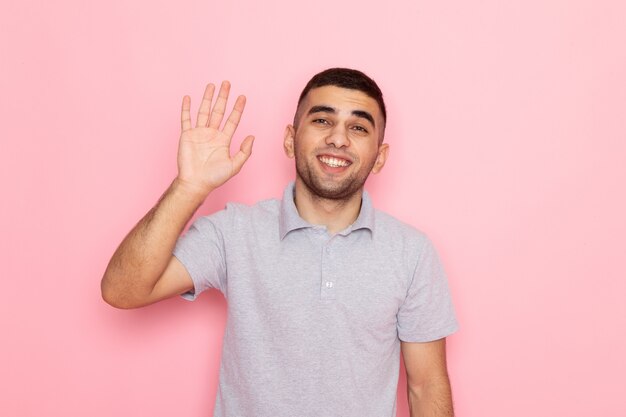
(507, 135)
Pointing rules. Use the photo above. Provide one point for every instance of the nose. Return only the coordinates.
(338, 137)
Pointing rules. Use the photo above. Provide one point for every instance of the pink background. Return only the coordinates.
(507, 133)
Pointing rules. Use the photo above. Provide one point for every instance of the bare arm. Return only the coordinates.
(428, 384)
(142, 269)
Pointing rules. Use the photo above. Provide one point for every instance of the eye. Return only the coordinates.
(359, 128)
(321, 121)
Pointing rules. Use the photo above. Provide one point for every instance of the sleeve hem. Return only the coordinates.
(190, 295)
(431, 336)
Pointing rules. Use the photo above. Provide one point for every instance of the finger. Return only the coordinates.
(205, 106)
(217, 114)
(233, 120)
(185, 118)
(244, 153)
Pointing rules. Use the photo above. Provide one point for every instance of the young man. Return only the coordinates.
(323, 290)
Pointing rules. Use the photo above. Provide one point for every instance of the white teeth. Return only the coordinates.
(334, 162)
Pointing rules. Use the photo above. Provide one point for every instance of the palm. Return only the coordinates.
(204, 159)
(204, 156)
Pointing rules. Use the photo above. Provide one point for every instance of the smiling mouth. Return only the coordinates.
(334, 162)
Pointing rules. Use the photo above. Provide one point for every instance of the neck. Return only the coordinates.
(336, 215)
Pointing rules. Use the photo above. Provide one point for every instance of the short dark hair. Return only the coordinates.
(350, 79)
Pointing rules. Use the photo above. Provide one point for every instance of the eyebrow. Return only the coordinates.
(364, 115)
(358, 113)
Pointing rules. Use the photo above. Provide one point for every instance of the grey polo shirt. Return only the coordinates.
(315, 321)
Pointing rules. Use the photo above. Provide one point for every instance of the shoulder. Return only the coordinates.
(263, 208)
(399, 238)
(390, 229)
(237, 215)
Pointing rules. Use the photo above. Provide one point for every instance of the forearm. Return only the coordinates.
(145, 252)
(432, 399)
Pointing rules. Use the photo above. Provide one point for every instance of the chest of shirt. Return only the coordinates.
(311, 280)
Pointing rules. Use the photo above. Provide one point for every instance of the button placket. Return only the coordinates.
(328, 280)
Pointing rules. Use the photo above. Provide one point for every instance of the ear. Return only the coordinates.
(290, 134)
(381, 158)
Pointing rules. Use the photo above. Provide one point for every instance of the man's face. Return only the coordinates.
(336, 141)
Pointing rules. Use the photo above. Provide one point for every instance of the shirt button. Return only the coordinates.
(327, 249)
(329, 284)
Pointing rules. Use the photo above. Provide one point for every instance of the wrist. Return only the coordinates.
(190, 191)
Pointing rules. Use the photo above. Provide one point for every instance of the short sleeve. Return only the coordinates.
(427, 313)
(201, 251)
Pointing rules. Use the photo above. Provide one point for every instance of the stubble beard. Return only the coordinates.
(337, 190)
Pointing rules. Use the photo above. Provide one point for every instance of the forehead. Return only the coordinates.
(341, 99)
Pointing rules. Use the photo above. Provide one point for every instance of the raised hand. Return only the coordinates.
(204, 160)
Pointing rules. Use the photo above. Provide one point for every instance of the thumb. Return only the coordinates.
(245, 150)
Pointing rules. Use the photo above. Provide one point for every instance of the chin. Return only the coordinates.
(332, 191)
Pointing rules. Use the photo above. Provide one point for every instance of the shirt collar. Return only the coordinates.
(290, 220)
